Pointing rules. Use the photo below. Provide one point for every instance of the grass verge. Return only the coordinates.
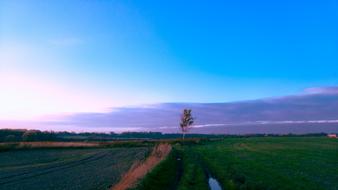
(165, 176)
(194, 175)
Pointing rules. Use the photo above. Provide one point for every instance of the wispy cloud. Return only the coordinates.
(267, 123)
(322, 90)
(297, 111)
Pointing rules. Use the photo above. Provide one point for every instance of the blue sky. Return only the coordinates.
(81, 55)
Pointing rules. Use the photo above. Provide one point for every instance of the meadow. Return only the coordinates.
(249, 163)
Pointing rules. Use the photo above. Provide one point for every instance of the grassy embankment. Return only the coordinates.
(181, 170)
(164, 176)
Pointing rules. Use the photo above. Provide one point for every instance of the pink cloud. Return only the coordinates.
(322, 90)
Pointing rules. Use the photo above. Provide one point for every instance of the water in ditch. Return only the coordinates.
(213, 184)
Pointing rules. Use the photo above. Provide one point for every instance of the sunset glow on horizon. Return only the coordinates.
(24, 97)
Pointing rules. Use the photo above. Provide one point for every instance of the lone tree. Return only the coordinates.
(186, 121)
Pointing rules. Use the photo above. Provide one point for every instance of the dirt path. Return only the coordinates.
(140, 169)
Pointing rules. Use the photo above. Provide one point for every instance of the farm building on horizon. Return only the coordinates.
(332, 135)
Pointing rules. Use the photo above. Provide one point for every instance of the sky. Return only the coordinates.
(59, 57)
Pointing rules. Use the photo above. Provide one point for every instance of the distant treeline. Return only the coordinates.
(18, 135)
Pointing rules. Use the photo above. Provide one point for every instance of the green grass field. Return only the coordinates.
(93, 168)
(251, 163)
(237, 163)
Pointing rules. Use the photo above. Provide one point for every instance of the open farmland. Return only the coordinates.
(230, 163)
(68, 168)
(249, 163)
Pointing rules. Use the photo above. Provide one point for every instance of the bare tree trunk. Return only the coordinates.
(183, 135)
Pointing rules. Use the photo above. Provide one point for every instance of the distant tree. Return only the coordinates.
(31, 135)
(186, 121)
